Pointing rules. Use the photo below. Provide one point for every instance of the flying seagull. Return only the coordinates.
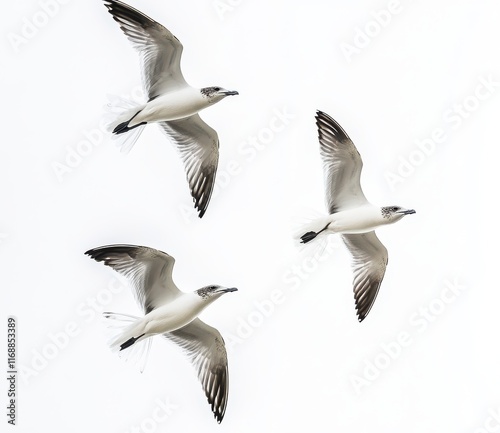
(170, 313)
(172, 103)
(350, 213)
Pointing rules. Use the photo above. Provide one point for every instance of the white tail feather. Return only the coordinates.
(313, 225)
(125, 141)
(123, 327)
(119, 110)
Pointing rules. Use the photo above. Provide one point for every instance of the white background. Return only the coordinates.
(293, 370)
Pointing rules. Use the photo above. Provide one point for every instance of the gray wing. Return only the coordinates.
(159, 49)
(149, 271)
(342, 165)
(198, 145)
(206, 349)
(369, 263)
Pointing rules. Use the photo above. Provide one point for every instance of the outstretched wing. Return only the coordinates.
(148, 270)
(369, 263)
(342, 165)
(198, 145)
(159, 49)
(206, 349)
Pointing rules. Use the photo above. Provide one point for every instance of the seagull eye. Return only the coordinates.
(217, 89)
(395, 209)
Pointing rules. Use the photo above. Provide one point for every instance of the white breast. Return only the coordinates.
(174, 315)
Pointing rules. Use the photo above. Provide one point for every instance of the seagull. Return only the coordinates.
(350, 213)
(170, 313)
(173, 104)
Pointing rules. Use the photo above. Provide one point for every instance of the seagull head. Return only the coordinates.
(216, 93)
(213, 292)
(395, 213)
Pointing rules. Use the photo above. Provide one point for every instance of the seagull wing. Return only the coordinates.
(159, 49)
(342, 165)
(369, 263)
(206, 349)
(198, 145)
(149, 271)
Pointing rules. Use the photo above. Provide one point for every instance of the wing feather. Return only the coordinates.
(206, 350)
(148, 270)
(198, 145)
(370, 260)
(159, 49)
(342, 165)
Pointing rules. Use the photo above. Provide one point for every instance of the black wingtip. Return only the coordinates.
(361, 315)
(90, 253)
(109, 5)
(100, 254)
(322, 117)
(201, 203)
(218, 416)
(321, 114)
(94, 253)
(308, 237)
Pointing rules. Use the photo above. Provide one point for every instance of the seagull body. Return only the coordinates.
(170, 313)
(166, 318)
(172, 106)
(172, 103)
(350, 213)
(357, 220)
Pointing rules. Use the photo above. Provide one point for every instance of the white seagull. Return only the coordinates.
(172, 103)
(170, 313)
(350, 213)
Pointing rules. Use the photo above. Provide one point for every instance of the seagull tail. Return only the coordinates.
(127, 340)
(312, 230)
(120, 112)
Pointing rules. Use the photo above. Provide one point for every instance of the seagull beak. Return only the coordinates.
(407, 212)
(233, 289)
(231, 93)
